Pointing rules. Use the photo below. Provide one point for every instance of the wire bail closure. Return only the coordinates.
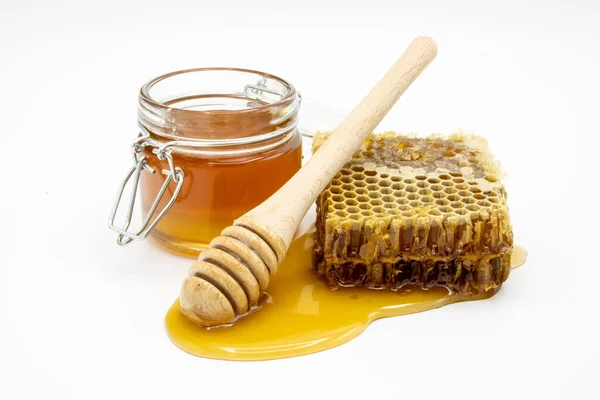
(140, 163)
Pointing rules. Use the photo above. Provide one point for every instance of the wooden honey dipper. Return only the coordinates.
(230, 275)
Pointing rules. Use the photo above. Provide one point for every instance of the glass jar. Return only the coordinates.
(214, 143)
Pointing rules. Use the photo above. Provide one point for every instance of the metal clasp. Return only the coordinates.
(257, 92)
(141, 163)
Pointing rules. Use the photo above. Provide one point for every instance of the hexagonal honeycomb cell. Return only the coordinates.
(415, 211)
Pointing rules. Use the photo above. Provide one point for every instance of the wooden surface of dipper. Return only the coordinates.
(238, 264)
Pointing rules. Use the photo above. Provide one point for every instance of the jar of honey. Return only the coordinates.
(214, 143)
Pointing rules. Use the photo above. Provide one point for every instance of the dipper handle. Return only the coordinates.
(236, 268)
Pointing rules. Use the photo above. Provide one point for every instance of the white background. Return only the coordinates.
(83, 318)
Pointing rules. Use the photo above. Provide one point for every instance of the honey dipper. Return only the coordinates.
(235, 269)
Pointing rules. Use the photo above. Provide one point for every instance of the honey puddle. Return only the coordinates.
(304, 315)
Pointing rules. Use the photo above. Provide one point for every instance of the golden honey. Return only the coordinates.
(301, 314)
(217, 190)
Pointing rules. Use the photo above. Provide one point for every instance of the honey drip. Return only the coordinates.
(518, 257)
(303, 315)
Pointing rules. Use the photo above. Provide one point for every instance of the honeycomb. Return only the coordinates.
(415, 211)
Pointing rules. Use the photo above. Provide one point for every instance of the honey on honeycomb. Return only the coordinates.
(415, 211)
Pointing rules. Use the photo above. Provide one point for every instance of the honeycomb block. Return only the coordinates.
(415, 211)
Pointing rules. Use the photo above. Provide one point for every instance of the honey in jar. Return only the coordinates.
(214, 143)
